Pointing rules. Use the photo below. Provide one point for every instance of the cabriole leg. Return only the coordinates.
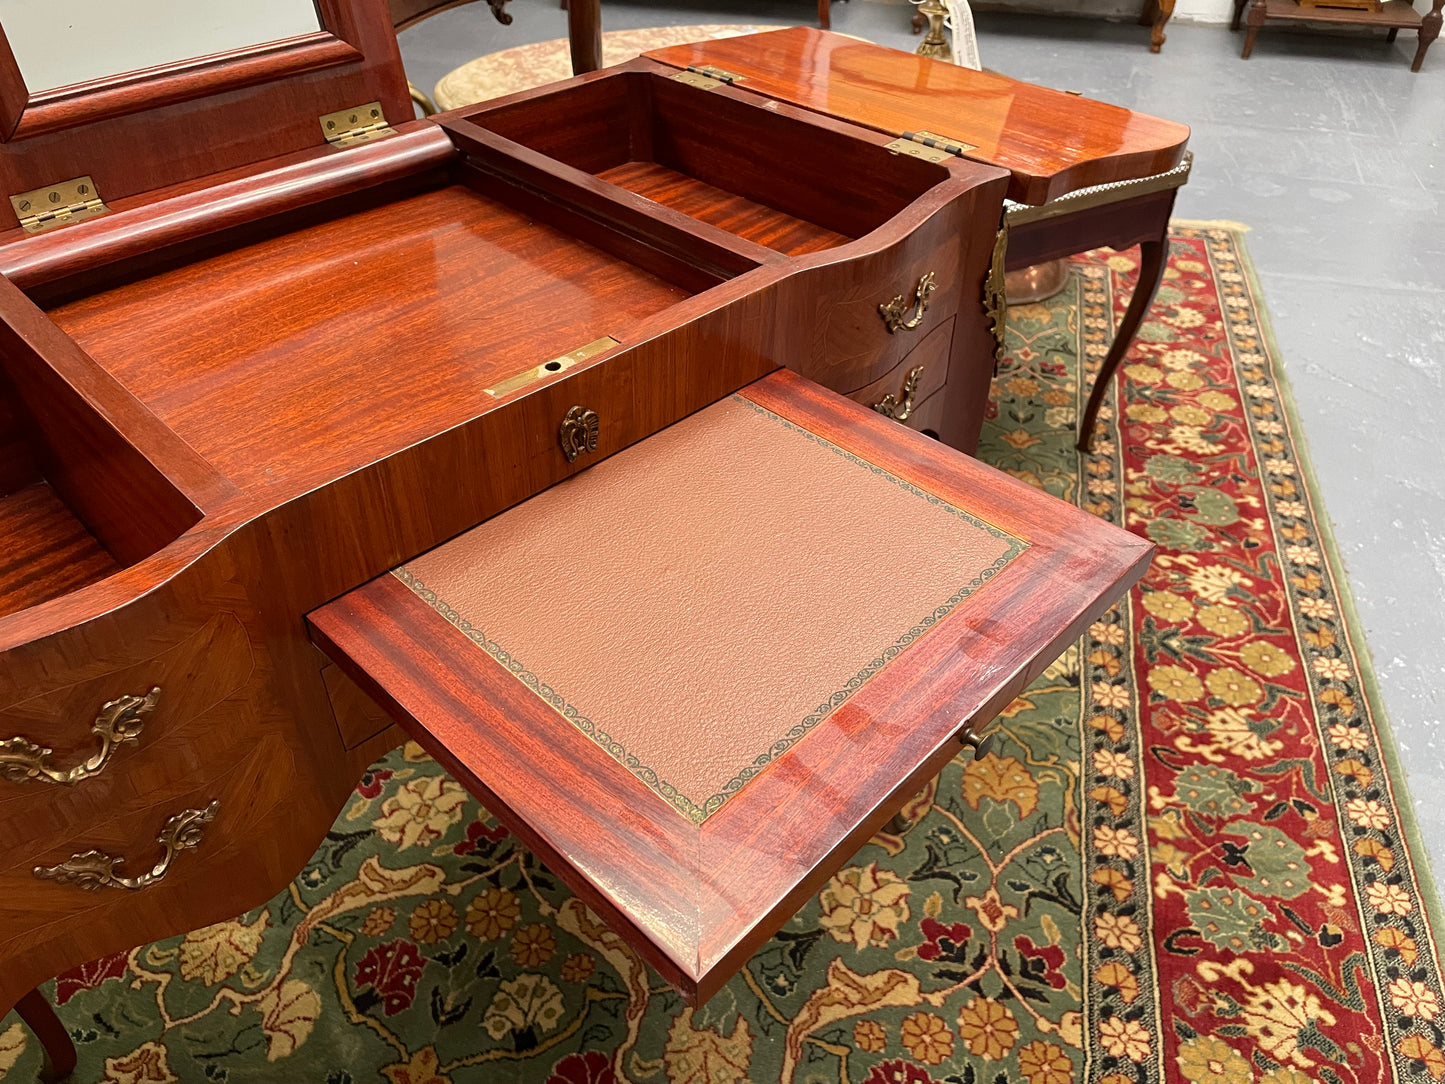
(35, 1010)
(1151, 273)
(1429, 31)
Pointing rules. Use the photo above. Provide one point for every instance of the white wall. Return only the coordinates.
(1204, 11)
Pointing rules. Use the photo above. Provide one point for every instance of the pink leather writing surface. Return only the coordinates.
(698, 602)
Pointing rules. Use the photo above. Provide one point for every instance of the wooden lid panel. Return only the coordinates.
(1052, 142)
(144, 130)
(680, 631)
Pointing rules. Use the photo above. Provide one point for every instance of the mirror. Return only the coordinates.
(58, 43)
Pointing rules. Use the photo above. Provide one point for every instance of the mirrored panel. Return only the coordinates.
(61, 42)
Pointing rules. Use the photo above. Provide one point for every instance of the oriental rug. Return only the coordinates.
(1188, 857)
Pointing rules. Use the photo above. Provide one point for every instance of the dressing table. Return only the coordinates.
(320, 427)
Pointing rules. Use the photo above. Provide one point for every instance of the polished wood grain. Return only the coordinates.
(195, 211)
(44, 550)
(758, 223)
(698, 899)
(145, 130)
(261, 415)
(18, 467)
(1051, 142)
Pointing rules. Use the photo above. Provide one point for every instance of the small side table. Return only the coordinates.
(1396, 15)
(1116, 215)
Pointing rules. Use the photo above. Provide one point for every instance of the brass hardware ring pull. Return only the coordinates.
(893, 311)
(900, 409)
(579, 432)
(979, 743)
(119, 722)
(94, 870)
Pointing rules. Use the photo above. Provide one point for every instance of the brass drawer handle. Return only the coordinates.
(119, 722)
(979, 743)
(94, 870)
(899, 409)
(579, 432)
(893, 311)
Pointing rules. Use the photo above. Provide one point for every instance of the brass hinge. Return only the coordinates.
(929, 147)
(58, 205)
(361, 124)
(705, 77)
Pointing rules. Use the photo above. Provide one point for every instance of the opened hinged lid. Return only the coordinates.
(93, 99)
(1051, 141)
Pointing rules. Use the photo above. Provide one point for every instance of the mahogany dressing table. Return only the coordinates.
(260, 385)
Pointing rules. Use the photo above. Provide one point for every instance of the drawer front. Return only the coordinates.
(850, 344)
(186, 857)
(900, 391)
(112, 746)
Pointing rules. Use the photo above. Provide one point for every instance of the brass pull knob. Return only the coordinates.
(94, 870)
(119, 722)
(893, 311)
(900, 409)
(979, 743)
(579, 432)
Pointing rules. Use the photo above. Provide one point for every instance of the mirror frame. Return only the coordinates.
(23, 114)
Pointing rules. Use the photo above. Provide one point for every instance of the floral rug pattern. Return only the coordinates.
(1183, 860)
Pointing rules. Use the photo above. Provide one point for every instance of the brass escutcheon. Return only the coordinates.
(119, 722)
(893, 311)
(94, 870)
(579, 432)
(901, 408)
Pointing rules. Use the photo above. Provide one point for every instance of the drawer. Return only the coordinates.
(182, 854)
(929, 360)
(850, 344)
(780, 613)
(103, 748)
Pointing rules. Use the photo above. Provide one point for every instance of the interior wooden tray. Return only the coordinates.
(387, 312)
(63, 524)
(766, 176)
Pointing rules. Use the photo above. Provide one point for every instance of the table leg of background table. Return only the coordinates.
(1238, 13)
(35, 1010)
(1151, 272)
(1257, 12)
(584, 34)
(1162, 10)
(1429, 31)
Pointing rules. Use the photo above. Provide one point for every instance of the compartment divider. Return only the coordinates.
(558, 192)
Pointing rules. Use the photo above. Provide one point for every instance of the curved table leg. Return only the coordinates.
(1152, 256)
(35, 1010)
(1429, 31)
(1163, 9)
(1238, 14)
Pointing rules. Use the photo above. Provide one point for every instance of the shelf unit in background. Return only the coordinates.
(1395, 15)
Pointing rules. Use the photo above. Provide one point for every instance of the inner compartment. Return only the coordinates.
(64, 520)
(792, 185)
(377, 324)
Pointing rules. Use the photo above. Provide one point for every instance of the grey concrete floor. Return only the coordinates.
(1331, 150)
